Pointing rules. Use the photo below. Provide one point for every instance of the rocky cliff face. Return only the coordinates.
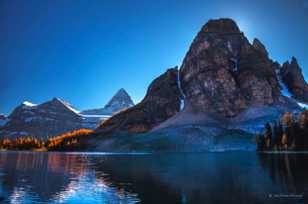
(161, 102)
(225, 74)
(291, 75)
(120, 101)
(47, 119)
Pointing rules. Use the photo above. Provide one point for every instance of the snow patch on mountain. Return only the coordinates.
(27, 103)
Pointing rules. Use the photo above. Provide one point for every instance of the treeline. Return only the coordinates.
(288, 133)
(69, 141)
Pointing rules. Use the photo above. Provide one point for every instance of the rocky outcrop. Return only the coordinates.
(120, 101)
(161, 102)
(224, 74)
(292, 77)
(47, 119)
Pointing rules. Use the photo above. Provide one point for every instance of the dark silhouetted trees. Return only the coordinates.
(288, 133)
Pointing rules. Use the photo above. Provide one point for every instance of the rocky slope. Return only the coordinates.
(120, 101)
(161, 102)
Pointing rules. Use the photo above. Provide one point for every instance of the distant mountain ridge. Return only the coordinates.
(47, 119)
(57, 116)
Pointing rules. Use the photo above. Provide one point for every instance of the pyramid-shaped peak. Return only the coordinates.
(222, 25)
(121, 98)
(121, 91)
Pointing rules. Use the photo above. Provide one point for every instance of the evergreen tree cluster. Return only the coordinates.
(288, 133)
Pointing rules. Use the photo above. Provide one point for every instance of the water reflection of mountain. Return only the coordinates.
(233, 177)
(42, 175)
(289, 171)
(190, 178)
(27, 177)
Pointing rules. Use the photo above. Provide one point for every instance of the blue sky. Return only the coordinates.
(84, 51)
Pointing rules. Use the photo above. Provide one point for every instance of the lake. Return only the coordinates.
(226, 177)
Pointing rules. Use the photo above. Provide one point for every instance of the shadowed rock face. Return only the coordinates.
(223, 73)
(292, 76)
(161, 102)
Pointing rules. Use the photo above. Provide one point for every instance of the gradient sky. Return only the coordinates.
(84, 51)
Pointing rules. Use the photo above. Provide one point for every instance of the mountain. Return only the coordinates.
(57, 116)
(120, 101)
(225, 86)
(47, 119)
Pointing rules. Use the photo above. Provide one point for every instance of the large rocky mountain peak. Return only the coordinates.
(224, 81)
(223, 73)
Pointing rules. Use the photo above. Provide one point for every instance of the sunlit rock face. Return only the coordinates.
(47, 119)
(225, 74)
(292, 76)
(161, 102)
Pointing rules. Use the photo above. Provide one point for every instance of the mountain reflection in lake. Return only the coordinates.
(231, 177)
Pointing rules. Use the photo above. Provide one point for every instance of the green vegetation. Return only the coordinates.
(288, 133)
(74, 140)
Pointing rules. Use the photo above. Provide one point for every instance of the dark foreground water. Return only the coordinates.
(230, 177)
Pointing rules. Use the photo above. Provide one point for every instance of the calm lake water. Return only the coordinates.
(229, 177)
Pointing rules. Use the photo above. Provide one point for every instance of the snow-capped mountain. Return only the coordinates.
(120, 101)
(57, 116)
(47, 119)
